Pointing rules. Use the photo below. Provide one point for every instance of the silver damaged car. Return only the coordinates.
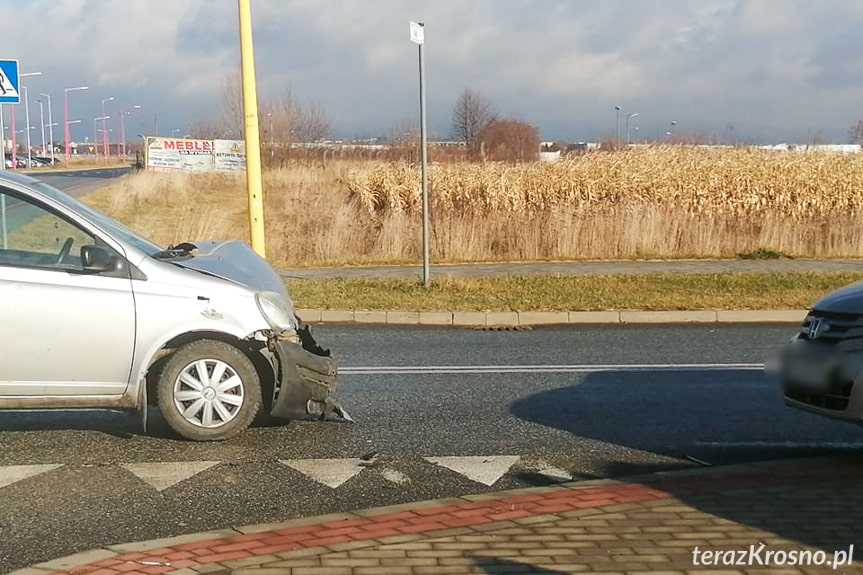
(92, 315)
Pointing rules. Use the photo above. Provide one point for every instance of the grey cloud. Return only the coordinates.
(769, 64)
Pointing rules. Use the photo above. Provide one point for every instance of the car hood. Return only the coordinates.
(235, 261)
(847, 300)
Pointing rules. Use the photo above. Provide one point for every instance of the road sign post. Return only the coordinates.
(9, 83)
(417, 30)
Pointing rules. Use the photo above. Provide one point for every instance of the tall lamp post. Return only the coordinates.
(27, 112)
(628, 116)
(66, 115)
(29, 127)
(123, 113)
(42, 122)
(617, 115)
(51, 125)
(107, 152)
(96, 133)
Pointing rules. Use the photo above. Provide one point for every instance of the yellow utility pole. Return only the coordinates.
(253, 142)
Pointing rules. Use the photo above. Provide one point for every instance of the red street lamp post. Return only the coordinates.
(66, 115)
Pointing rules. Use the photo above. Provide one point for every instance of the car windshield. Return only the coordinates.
(108, 224)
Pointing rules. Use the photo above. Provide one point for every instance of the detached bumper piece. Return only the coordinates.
(307, 381)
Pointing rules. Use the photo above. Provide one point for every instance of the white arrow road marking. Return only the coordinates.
(330, 472)
(576, 368)
(483, 469)
(14, 473)
(552, 472)
(161, 476)
(395, 476)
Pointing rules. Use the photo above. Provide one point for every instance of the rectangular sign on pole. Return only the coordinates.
(417, 32)
(9, 82)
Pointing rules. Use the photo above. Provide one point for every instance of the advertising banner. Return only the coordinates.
(188, 155)
(230, 155)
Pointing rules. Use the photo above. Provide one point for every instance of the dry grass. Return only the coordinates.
(660, 202)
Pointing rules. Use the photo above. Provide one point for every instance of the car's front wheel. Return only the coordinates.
(208, 390)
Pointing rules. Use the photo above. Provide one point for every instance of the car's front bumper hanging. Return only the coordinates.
(306, 380)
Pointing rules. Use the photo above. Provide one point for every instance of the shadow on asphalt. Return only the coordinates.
(702, 418)
(117, 424)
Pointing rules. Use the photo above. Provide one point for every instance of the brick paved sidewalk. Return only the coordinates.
(643, 524)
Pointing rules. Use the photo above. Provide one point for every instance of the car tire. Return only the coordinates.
(208, 391)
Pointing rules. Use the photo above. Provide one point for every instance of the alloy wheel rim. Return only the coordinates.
(208, 393)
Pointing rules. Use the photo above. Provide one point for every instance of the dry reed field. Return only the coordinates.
(653, 202)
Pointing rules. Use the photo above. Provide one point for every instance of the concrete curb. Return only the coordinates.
(534, 318)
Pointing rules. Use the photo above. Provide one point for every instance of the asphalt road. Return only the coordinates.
(78, 182)
(439, 412)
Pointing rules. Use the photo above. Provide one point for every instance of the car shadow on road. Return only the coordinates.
(714, 419)
(113, 423)
(122, 425)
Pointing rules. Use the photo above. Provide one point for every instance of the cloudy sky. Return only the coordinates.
(772, 70)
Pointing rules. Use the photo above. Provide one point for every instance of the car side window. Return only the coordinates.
(33, 236)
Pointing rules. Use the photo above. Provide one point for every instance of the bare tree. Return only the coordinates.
(287, 120)
(313, 124)
(511, 141)
(855, 133)
(233, 119)
(472, 113)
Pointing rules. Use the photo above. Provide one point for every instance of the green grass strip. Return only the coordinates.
(733, 291)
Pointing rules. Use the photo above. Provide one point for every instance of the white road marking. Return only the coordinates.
(483, 469)
(161, 476)
(395, 476)
(575, 368)
(552, 472)
(10, 474)
(783, 444)
(330, 472)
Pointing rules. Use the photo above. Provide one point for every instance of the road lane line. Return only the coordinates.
(782, 444)
(578, 368)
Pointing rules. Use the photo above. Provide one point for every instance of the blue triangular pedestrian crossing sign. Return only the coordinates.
(9, 82)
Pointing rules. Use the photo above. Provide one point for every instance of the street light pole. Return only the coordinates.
(27, 119)
(27, 112)
(51, 126)
(628, 116)
(42, 122)
(617, 114)
(96, 133)
(66, 115)
(123, 113)
(105, 151)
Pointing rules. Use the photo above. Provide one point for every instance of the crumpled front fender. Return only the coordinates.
(307, 380)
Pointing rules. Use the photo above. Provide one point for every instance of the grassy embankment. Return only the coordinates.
(664, 202)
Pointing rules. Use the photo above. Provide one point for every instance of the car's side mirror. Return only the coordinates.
(98, 259)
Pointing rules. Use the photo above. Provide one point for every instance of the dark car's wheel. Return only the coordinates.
(208, 390)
